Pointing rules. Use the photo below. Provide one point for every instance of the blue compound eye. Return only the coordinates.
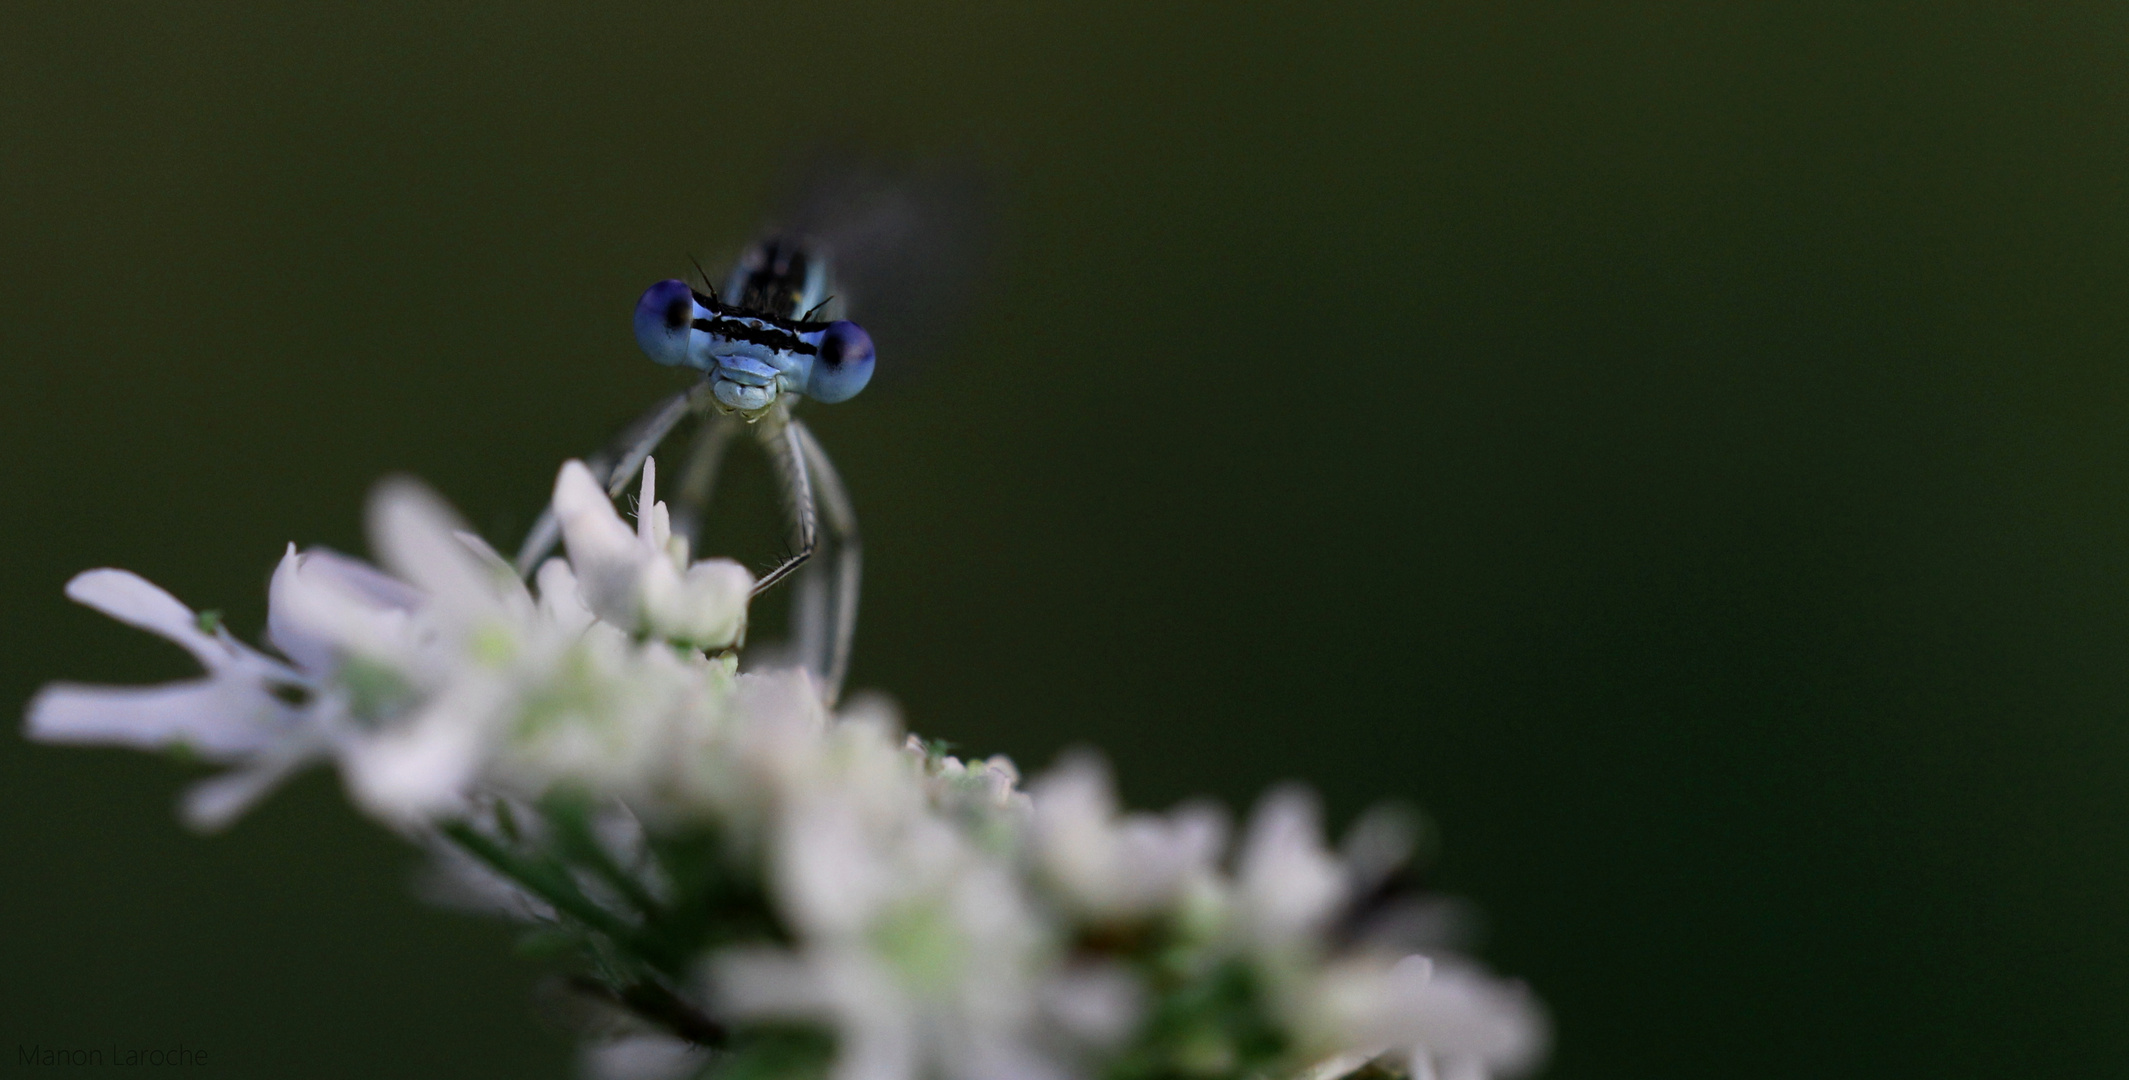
(844, 364)
(663, 319)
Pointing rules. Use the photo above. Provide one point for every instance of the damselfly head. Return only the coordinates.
(752, 357)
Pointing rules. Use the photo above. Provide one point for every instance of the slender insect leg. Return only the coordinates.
(828, 653)
(615, 467)
(546, 530)
(698, 478)
(781, 438)
(641, 439)
(809, 625)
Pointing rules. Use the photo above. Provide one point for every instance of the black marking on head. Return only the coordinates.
(722, 311)
(732, 329)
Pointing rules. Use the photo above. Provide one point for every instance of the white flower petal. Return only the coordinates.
(1290, 882)
(705, 608)
(135, 601)
(561, 600)
(1118, 867)
(604, 552)
(649, 518)
(1337, 1067)
(1451, 1015)
(829, 875)
(1467, 1018)
(879, 1037)
(1074, 808)
(641, 1057)
(1097, 1002)
(639, 579)
(212, 804)
(322, 605)
(353, 577)
(221, 719)
(424, 768)
(763, 981)
(485, 553)
(416, 537)
(286, 628)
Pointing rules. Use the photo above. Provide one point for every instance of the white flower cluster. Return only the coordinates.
(442, 675)
(761, 864)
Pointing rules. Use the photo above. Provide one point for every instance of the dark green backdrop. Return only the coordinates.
(1684, 451)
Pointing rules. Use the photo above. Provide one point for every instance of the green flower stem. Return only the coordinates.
(552, 884)
(573, 829)
(658, 1005)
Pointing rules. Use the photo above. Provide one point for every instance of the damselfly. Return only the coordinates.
(772, 335)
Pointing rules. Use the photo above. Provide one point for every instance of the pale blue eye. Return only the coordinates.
(664, 318)
(843, 366)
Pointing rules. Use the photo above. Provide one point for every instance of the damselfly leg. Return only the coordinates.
(831, 601)
(616, 467)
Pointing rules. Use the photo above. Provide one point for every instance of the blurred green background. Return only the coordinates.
(1681, 449)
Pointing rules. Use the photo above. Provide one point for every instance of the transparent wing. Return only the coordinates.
(911, 246)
